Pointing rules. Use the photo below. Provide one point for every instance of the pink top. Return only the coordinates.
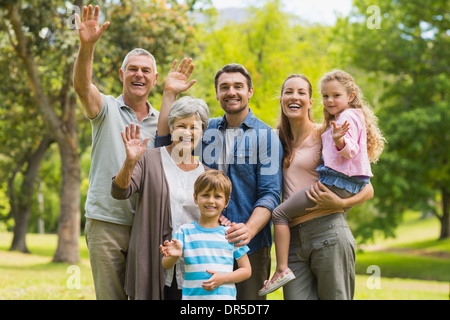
(302, 174)
(352, 160)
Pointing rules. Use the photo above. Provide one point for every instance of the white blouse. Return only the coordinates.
(182, 205)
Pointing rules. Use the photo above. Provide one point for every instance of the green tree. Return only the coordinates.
(40, 45)
(271, 44)
(161, 27)
(406, 47)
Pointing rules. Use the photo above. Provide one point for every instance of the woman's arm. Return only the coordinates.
(135, 150)
(326, 199)
(176, 83)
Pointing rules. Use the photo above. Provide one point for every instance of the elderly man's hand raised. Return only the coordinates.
(88, 26)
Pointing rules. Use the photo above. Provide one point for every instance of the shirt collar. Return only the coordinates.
(122, 105)
(248, 123)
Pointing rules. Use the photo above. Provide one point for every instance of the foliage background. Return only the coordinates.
(402, 68)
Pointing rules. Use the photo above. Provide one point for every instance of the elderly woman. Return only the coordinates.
(164, 179)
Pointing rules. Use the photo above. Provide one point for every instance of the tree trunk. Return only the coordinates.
(69, 218)
(23, 208)
(445, 219)
(64, 132)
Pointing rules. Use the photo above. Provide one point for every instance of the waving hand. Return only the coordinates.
(88, 26)
(133, 145)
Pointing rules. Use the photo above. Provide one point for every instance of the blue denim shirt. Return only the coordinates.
(255, 170)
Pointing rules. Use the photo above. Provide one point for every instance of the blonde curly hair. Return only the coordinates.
(375, 139)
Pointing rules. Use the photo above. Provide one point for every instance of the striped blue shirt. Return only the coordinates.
(207, 249)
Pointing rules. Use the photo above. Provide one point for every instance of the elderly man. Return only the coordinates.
(108, 221)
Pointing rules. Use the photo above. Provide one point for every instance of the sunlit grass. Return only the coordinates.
(400, 289)
(35, 277)
(392, 289)
(405, 274)
(413, 228)
(415, 253)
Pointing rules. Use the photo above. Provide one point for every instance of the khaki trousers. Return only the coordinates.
(108, 245)
(322, 257)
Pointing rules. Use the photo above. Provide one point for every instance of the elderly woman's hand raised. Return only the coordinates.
(134, 149)
(133, 145)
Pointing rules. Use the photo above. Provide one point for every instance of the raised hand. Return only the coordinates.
(89, 29)
(339, 133)
(177, 79)
(132, 140)
(171, 248)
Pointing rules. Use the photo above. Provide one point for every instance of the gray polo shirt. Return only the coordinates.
(107, 156)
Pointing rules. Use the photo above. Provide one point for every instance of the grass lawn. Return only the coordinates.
(393, 289)
(35, 277)
(414, 266)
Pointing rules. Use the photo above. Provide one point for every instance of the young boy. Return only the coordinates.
(208, 257)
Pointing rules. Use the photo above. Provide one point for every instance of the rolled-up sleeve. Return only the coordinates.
(162, 141)
(119, 193)
(135, 183)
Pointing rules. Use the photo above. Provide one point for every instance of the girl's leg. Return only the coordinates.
(282, 234)
(293, 207)
(282, 274)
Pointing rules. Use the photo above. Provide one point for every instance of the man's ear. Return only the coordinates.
(251, 91)
(121, 74)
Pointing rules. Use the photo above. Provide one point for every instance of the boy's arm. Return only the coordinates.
(172, 251)
(169, 261)
(243, 272)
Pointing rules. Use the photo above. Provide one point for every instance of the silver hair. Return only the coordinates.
(138, 52)
(188, 106)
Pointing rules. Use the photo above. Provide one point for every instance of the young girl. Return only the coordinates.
(351, 140)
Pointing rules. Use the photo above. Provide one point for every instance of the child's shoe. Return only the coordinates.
(272, 285)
